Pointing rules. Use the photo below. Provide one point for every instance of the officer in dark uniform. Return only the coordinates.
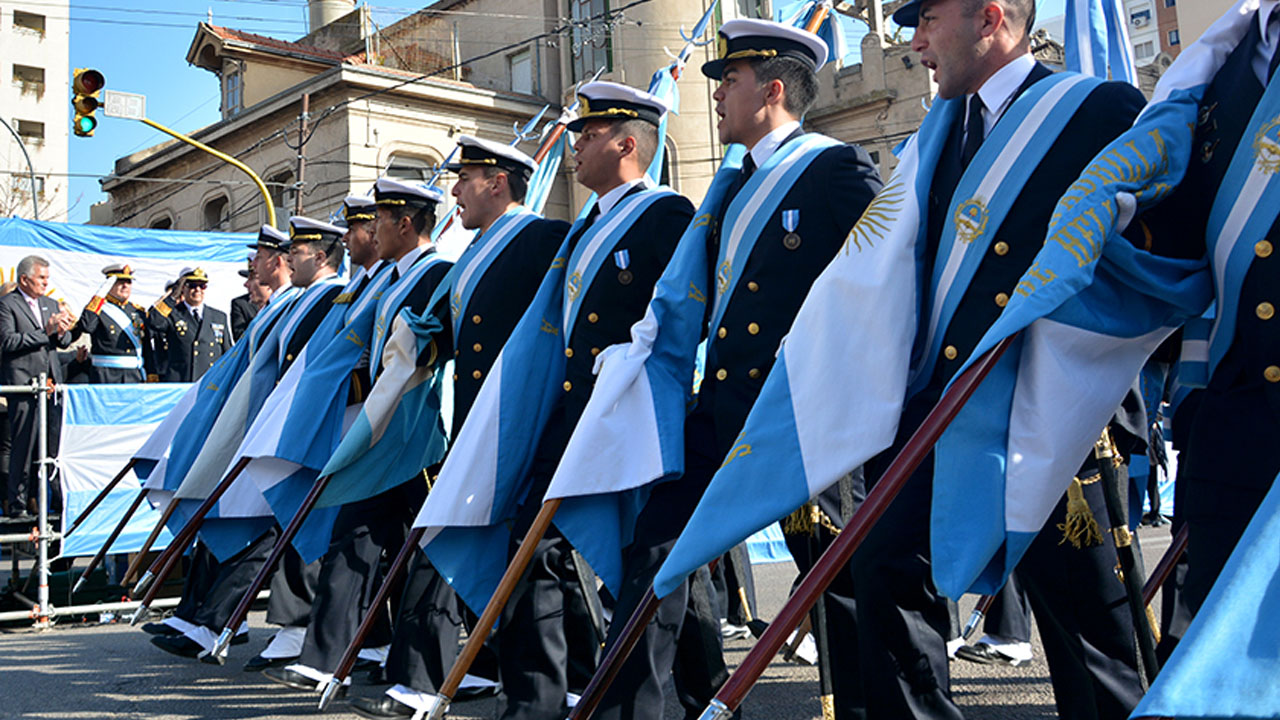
(767, 82)
(117, 332)
(492, 182)
(902, 620)
(542, 625)
(1228, 466)
(363, 531)
(195, 335)
(157, 343)
(244, 307)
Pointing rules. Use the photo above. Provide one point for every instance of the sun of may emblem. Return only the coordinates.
(724, 276)
(971, 220)
(1266, 147)
(574, 286)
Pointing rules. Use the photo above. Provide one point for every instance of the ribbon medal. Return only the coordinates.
(791, 221)
(622, 259)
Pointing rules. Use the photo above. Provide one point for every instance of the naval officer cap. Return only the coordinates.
(306, 230)
(476, 152)
(611, 101)
(358, 207)
(909, 14)
(270, 238)
(119, 271)
(398, 193)
(748, 39)
(194, 275)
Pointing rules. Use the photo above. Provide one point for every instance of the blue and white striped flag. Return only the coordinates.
(1091, 309)
(831, 30)
(1097, 40)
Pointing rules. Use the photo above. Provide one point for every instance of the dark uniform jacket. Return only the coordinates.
(26, 350)
(107, 339)
(830, 195)
(421, 293)
(307, 327)
(498, 301)
(242, 311)
(615, 300)
(192, 347)
(1242, 400)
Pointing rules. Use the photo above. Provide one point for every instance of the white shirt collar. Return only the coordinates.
(406, 262)
(193, 309)
(1270, 33)
(766, 146)
(614, 196)
(998, 91)
(31, 299)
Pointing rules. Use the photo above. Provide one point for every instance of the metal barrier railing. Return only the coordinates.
(42, 535)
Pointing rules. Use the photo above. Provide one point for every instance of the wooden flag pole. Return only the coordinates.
(136, 565)
(115, 533)
(101, 496)
(979, 611)
(1165, 567)
(151, 581)
(219, 649)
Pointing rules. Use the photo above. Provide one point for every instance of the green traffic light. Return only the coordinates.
(85, 124)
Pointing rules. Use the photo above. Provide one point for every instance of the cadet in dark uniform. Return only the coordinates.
(195, 335)
(767, 83)
(902, 620)
(117, 332)
(1229, 464)
(498, 274)
(363, 531)
(245, 307)
(542, 624)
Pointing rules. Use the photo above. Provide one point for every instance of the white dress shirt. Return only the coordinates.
(406, 262)
(34, 304)
(614, 196)
(766, 146)
(998, 91)
(1269, 24)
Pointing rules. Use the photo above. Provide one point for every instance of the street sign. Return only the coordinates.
(129, 106)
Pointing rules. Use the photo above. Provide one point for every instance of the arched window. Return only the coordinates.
(215, 213)
(283, 195)
(163, 222)
(409, 167)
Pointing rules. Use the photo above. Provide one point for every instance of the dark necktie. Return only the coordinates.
(975, 131)
(1275, 54)
(195, 314)
(395, 274)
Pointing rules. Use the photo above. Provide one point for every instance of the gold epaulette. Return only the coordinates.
(162, 307)
(95, 305)
(805, 518)
(1080, 527)
(344, 298)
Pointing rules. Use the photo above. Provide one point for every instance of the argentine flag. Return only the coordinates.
(1090, 310)
(1097, 40)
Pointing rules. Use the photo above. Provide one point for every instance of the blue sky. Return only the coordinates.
(141, 47)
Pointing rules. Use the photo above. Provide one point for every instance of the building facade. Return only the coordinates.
(35, 99)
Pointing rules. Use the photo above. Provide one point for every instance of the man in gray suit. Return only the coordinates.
(33, 327)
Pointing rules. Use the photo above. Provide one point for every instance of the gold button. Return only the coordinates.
(290, 355)
(456, 353)
(1002, 299)
(568, 386)
(753, 328)
(721, 374)
(754, 373)
(568, 352)
(595, 352)
(721, 333)
(1001, 248)
(592, 318)
(753, 286)
(1266, 310)
(455, 377)
(477, 347)
(477, 374)
(1272, 373)
(1262, 249)
(475, 319)
(950, 352)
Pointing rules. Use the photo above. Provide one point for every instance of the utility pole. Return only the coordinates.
(302, 153)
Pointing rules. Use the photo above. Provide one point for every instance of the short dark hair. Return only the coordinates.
(1017, 11)
(424, 217)
(800, 82)
(516, 182)
(646, 135)
(333, 251)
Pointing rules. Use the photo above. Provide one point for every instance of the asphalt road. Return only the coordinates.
(90, 670)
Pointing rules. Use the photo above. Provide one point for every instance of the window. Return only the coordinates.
(592, 45)
(1144, 50)
(1174, 37)
(163, 222)
(520, 68)
(405, 167)
(1140, 18)
(283, 195)
(215, 213)
(28, 22)
(1170, 3)
(31, 79)
(22, 185)
(31, 130)
(232, 94)
(875, 157)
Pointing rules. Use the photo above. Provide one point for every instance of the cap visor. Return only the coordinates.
(908, 15)
(713, 69)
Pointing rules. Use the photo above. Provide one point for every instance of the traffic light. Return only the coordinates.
(85, 84)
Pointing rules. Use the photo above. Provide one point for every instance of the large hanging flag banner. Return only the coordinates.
(1097, 40)
(1090, 310)
(77, 254)
(102, 427)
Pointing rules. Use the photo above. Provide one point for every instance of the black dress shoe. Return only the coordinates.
(289, 678)
(179, 645)
(376, 676)
(257, 663)
(384, 707)
(160, 629)
(240, 639)
(987, 655)
(363, 664)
